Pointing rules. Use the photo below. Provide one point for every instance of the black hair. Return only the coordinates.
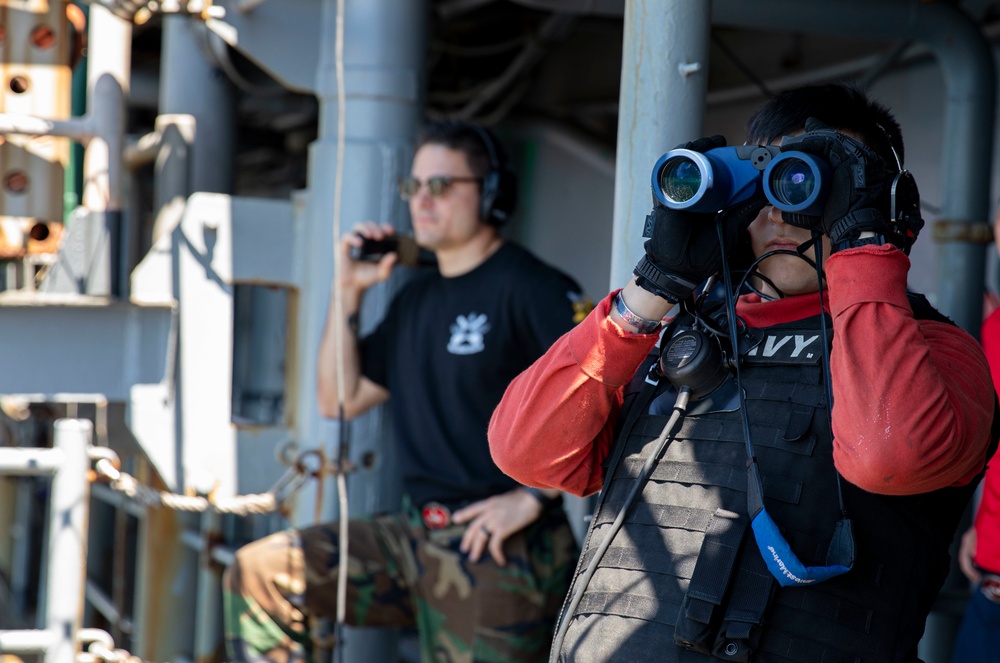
(468, 138)
(841, 106)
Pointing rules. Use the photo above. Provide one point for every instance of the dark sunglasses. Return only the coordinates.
(437, 185)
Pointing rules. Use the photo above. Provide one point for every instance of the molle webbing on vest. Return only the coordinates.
(783, 489)
(790, 437)
(659, 609)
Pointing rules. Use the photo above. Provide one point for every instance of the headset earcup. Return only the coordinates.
(491, 188)
(504, 197)
(499, 190)
(904, 209)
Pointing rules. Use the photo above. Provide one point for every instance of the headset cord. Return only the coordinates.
(680, 406)
(734, 343)
(817, 240)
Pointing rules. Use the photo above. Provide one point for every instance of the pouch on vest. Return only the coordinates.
(739, 636)
(701, 611)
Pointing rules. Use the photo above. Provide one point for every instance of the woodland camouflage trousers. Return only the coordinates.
(401, 575)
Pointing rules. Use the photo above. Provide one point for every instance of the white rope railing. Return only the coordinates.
(107, 466)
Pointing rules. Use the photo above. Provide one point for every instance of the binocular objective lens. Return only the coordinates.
(680, 179)
(792, 181)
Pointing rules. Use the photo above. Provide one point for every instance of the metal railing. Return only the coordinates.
(67, 463)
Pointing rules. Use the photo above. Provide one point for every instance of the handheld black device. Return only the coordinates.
(410, 254)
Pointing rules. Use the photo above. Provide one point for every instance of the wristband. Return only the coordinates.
(642, 325)
(542, 498)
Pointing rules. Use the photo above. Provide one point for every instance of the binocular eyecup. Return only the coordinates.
(725, 176)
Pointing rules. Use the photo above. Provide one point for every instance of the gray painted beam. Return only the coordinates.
(59, 344)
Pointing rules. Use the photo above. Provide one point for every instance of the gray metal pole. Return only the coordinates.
(207, 629)
(67, 540)
(20, 461)
(662, 103)
(107, 81)
(190, 84)
(172, 171)
(383, 56)
(196, 121)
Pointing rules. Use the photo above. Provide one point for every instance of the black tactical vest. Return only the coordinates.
(686, 561)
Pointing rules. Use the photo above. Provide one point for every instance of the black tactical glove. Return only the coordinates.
(683, 247)
(858, 200)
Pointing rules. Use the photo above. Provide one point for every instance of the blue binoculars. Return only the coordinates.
(725, 176)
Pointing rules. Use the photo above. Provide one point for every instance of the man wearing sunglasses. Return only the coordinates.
(783, 481)
(478, 563)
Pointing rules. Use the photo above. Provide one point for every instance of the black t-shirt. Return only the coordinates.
(446, 351)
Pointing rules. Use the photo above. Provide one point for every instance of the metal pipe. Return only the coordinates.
(208, 598)
(105, 149)
(191, 85)
(552, 29)
(28, 641)
(223, 555)
(107, 83)
(67, 540)
(661, 101)
(172, 171)
(383, 48)
(78, 129)
(833, 72)
(193, 540)
(21, 579)
(219, 553)
(105, 98)
(117, 500)
(21, 461)
(106, 607)
(143, 151)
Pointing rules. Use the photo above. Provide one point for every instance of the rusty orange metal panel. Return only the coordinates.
(35, 79)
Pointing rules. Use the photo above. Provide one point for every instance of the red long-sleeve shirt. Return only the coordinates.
(912, 398)
(988, 516)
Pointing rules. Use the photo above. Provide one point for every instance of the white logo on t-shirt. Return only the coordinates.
(467, 334)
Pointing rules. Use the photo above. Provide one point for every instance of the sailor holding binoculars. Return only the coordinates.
(782, 473)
